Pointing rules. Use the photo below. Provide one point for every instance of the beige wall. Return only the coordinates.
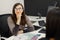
(6, 5)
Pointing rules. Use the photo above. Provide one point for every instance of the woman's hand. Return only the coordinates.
(20, 32)
(18, 15)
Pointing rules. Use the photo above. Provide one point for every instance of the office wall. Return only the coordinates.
(6, 5)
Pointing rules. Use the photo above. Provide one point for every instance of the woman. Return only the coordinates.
(17, 21)
(20, 19)
(53, 24)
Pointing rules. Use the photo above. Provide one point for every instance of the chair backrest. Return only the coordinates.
(3, 19)
(3, 24)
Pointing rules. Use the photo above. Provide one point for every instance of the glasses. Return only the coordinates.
(18, 8)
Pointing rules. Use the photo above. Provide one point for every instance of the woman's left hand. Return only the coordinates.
(20, 32)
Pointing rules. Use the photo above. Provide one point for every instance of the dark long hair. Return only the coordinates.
(23, 19)
(53, 23)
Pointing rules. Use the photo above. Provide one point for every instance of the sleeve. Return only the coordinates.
(15, 29)
(29, 23)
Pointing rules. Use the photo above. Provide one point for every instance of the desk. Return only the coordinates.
(35, 19)
(24, 38)
(29, 35)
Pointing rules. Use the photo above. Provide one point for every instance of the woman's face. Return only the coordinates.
(18, 10)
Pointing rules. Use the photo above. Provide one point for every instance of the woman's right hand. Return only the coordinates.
(18, 19)
(18, 15)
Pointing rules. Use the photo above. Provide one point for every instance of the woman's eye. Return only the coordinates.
(18, 8)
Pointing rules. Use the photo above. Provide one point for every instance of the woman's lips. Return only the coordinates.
(17, 12)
